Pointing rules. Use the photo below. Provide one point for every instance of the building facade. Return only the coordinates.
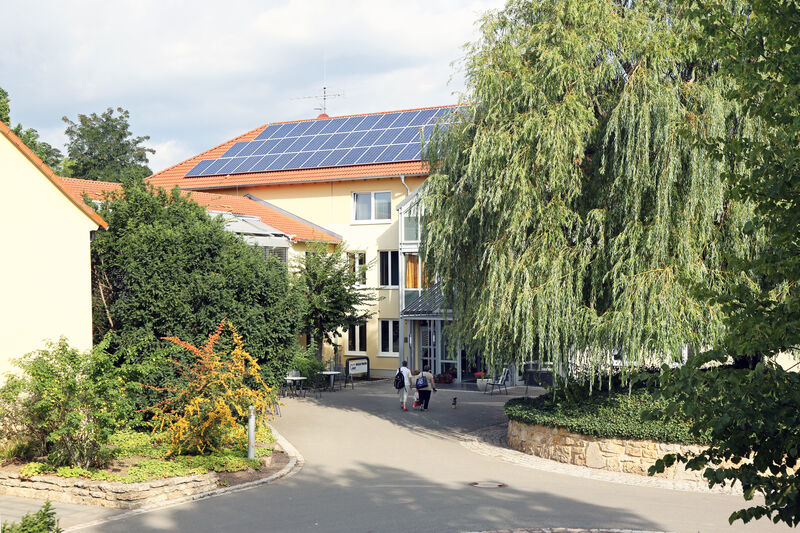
(45, 272)
(345, 176)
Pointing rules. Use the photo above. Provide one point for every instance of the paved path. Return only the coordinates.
(371, 467)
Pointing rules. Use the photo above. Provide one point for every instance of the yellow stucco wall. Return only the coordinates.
(330, 205)
(45, 274)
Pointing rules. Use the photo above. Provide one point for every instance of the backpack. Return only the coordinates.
(399, 380)
(422, 382)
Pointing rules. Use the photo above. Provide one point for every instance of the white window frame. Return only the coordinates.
(352, 262)
(389, 255)
(415, 212)
(391, 321)
(359, 343)
(372, 219)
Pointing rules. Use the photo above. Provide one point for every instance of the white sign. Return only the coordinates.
(358, 366)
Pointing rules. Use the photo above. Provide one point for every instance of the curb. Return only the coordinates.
(485, 442)
(296, 462)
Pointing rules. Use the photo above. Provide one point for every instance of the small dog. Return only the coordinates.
(455, 401)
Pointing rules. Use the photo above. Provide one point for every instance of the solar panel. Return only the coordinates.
(371, 155)
(233, 150)
(410, 152)
(351, 157)
(333, 125)
(249, 163)
(333, 141)
(199, 167)
(333, 159)
(250, 148)
(265, 147)
(355, 140)
(230, 165)
(264, 164)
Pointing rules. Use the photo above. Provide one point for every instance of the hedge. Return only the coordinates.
(617, 415)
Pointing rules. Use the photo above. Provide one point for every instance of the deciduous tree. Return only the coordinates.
(334, 299)
(571, 212)
(102, 147)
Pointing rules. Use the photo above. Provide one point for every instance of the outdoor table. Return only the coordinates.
(295, 382)
(331, 375)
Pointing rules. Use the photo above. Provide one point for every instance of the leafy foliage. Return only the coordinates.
(752, 409)
(571, 213)
(51, 156)
(753, 421)
(623, 415)
(42, 521)
(102, 147)
(65, 405)
(756, 43)
(330, 286)
(204, 411)
(164, 268)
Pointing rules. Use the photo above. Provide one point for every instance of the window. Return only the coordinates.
(411, 225)
(274, 251)
(416, 277)
(358, 266)
(372, 206)
(390, 336)
(357, 338)
(389, 269)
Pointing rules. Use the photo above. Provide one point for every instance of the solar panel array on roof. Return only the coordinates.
(341, 141)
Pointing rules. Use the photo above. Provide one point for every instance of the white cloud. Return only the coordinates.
(167, 154)
(197, 71)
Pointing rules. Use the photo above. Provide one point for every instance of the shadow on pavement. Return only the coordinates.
(369, 497)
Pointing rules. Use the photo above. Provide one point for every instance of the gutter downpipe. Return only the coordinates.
(403, 181)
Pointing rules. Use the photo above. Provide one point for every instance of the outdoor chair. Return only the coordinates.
(501, 383)
(319, 384)
(343, 378)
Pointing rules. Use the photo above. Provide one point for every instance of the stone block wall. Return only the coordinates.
(615, 455)
(104, 493)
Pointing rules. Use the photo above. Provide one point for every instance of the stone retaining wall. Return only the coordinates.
(104, 493)
(615, 455)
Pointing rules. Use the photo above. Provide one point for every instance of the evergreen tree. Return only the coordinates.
(571, 212)
(164, 268)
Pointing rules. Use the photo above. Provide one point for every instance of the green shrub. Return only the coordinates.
(65, 405)
(42, 521)
(35, 469)
(129, 443)
(620, 414)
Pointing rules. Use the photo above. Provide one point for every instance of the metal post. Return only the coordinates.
(251, 434)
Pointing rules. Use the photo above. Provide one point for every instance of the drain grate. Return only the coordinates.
(488, 484)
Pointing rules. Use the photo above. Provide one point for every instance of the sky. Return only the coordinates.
(196, 73)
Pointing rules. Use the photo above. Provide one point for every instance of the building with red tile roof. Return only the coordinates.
(297, 229)
(344, 175)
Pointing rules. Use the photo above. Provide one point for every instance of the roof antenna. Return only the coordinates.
(323, 98)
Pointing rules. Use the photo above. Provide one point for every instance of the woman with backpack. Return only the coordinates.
(402, 382)
(424, 383)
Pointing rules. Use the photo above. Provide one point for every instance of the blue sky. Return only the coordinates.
(196, 73)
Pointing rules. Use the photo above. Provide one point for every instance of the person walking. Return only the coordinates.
(403, 392)
(424, 383)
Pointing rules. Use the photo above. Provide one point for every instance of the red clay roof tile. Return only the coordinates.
(241, 205)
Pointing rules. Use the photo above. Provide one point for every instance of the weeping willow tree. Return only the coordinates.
(572, 212)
